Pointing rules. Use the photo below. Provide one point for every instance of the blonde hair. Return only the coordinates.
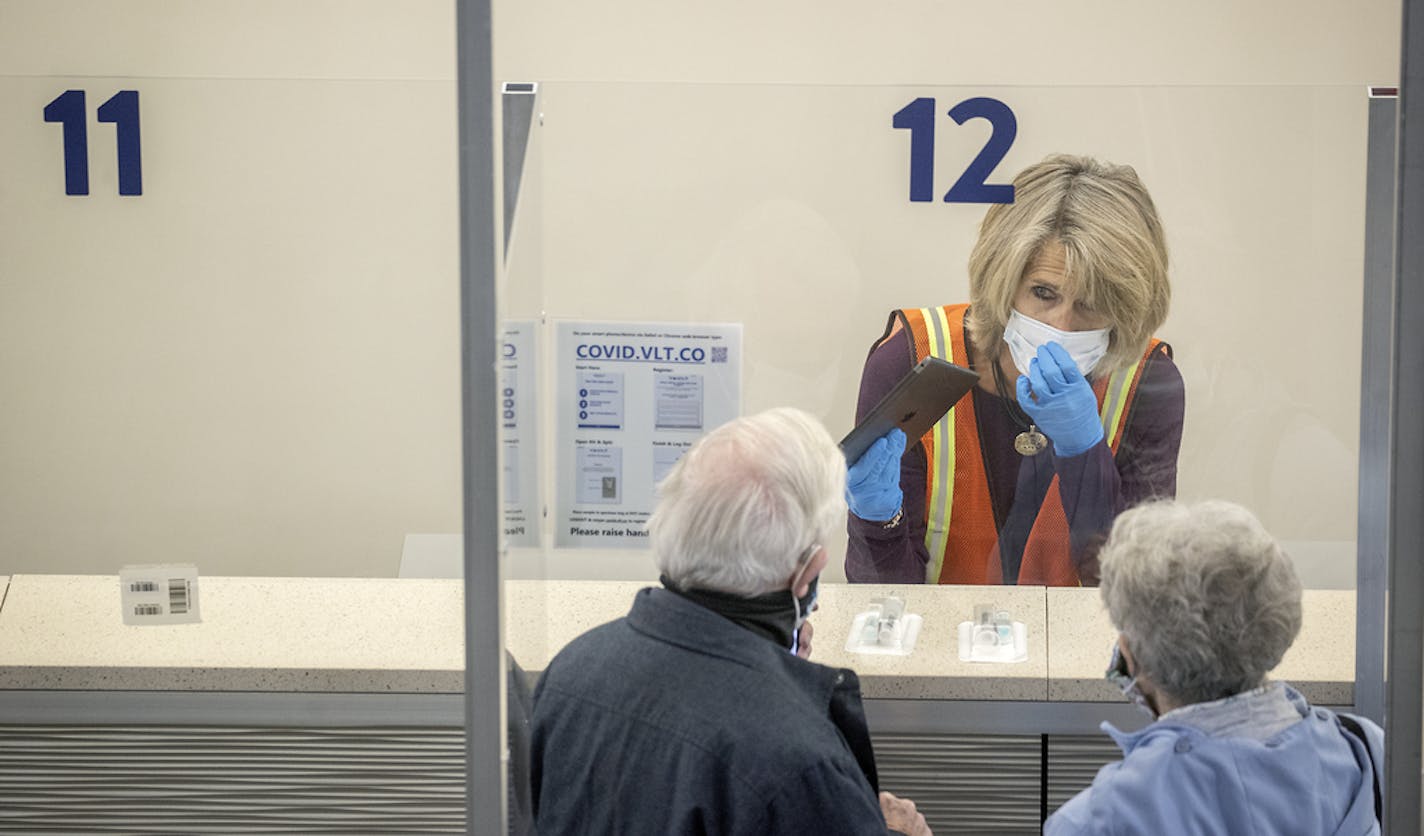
(1114, 246)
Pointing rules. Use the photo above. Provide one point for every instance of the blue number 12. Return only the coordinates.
(918, 117)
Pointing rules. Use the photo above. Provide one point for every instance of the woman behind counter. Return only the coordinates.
(1078, 411)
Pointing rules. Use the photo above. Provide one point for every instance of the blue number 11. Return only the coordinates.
(121, 109)
(68, 110)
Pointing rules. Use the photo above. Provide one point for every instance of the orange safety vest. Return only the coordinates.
(960, 535)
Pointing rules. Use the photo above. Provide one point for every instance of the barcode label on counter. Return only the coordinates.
(177, 595)
(165, 594)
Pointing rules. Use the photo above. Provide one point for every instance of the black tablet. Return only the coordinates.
(918, 400)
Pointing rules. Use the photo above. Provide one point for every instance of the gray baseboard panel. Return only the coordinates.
(146, 779)
(245, 708)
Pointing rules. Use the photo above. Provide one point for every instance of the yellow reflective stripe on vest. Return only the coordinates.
(941, 475)
(1115, 401)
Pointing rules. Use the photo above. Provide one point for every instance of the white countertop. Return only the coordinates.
(257, 634)
(558, 611)
(363, 635)
(1320, 664)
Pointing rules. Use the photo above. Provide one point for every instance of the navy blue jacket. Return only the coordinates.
(674, 719)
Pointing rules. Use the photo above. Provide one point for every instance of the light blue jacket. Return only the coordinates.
(1265, 762)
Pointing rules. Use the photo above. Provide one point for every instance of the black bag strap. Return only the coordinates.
(1353, 727)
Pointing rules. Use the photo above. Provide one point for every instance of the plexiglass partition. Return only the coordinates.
(680, 254)
(230, 313)
(229, 336)
(787, 220)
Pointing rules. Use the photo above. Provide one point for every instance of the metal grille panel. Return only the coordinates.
(68, 779)
(965, 783)
(1073, 761)
(124, 779)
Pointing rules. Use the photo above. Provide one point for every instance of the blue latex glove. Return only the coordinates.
(873, 482)
(1060, 401)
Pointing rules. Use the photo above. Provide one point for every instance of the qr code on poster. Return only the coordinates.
(719, 354)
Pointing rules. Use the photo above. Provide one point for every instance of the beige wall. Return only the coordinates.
(255, 365)
(939, 42)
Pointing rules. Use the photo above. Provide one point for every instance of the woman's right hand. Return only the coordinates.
(873, 482)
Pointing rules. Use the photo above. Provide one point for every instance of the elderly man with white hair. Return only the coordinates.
(697, 712)
(1206, 603)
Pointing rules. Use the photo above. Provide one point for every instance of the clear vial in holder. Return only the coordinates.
(992, 636)
(885, 628)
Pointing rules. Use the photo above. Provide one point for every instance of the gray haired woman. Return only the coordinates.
(1206, 603)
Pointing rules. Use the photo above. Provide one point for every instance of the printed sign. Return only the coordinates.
(631, 398)
(519, 433)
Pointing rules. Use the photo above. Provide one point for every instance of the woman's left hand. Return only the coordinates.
(1060, 401)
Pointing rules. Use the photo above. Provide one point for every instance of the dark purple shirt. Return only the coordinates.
(1095, 485)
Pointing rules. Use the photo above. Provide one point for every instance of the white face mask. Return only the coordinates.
(1024, 335)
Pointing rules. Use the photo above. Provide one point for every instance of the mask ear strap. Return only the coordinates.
(1129, 660)
(1134, 670)
(802, 564)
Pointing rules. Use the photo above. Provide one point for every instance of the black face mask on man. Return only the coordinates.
(777, 615)
(804, 607)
